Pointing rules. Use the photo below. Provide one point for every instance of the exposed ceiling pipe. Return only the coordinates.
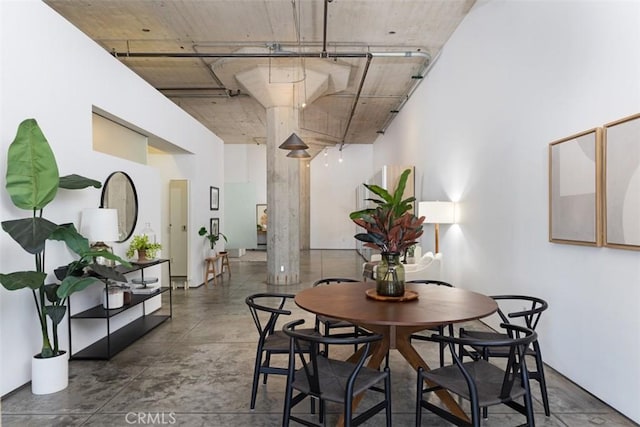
(324, 31)
(355, 100)
(418, 80)
(271, 54)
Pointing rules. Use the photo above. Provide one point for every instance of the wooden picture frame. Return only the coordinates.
(261, 217)
(575, 189)
(214, 198)
(621, 183)
(214, 226)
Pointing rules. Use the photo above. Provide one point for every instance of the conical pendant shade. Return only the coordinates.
(299, 154)
(293, 143)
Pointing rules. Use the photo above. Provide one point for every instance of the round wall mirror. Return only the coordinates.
(120, 193)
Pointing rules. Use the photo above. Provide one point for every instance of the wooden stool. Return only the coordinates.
(224, 256)
(210, 268)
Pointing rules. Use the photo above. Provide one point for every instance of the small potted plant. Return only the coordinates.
(392, 229)
(212, 238)
(146, 249)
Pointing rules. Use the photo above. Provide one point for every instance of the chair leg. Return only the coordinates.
(287, 405)
(539, 376)
(387, 395)
(528, 404)
(256, 378)
(419, 386)
(327, 332)
(267, 362)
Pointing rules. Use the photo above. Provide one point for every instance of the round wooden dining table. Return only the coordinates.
(397, 320)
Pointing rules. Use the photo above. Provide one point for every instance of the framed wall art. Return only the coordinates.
(621, 156)
(214, 198)
(261, 217)
(575, 189)
(214, 226)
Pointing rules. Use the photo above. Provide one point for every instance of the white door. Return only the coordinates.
(178, 215)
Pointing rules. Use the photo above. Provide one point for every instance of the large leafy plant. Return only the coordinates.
(390, 226)
(32, 183)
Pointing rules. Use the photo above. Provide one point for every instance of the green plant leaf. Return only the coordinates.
(77, 182)
(108, 272)
(55, 312)
(51, 290)
(72, 284)
(22, 279)
(68, 234)
(379, 191)
(30, 233)
(32, 172)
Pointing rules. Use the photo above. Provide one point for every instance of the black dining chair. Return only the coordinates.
(478, 381)
(330, 324)
(332, 380)
(440, 329)
(527, 310)
(265, 310)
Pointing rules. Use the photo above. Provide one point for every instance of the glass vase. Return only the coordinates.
(390, 275)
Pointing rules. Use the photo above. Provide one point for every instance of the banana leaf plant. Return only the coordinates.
(32, 183)
(390, 227)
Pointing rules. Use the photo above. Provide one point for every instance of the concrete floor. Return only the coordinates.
(195, 369)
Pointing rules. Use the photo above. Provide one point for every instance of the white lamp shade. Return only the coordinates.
(438, 212)
(100, 225)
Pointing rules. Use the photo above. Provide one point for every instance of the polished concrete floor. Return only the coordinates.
(195, 369)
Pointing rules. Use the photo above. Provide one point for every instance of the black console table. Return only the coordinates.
(118, 340)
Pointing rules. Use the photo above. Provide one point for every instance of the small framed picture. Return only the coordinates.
(214, 198)
(214, 226)
(261, 217)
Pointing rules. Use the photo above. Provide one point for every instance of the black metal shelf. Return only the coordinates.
(99, 312)
(118, 340)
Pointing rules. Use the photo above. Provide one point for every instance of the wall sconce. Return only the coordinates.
(100, 225)
(437, 213)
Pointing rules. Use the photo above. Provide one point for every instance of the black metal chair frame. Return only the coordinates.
(440, 328)
(330, 323)
(482, 379)
(531, 317)
(270, 341)
(325, 379)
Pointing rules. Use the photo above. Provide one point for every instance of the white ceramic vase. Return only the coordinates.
(49, 375)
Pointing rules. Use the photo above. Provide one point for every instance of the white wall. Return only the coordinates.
(247, 177)
(333, 195)
(249, 165)
(514, 77)
(56, 75)
(332, 187)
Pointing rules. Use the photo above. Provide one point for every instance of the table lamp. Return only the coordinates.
(437, 213)
(100, 225)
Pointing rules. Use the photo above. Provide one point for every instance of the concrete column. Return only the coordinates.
(305, 205)
(283, 199)
(281, 88)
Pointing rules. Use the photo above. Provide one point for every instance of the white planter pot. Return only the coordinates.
(49, 375)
